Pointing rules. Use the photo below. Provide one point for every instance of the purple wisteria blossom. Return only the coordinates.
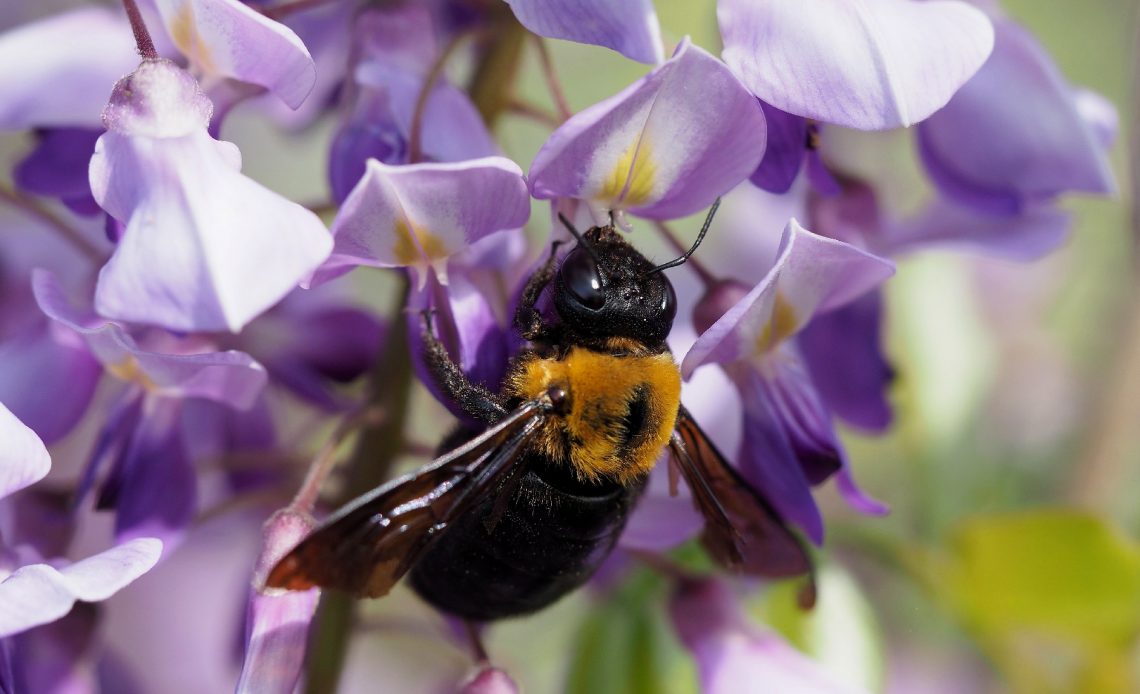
(627, 26)
(789, 443)
(665, 147)
(34, 592)
(205, 248)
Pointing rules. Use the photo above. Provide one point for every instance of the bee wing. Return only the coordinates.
(742, 530)
(367, 545)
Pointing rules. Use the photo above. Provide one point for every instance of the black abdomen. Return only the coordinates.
(551, 535)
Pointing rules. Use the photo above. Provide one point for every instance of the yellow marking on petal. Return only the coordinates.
(184, 32)
(631, 181)
(417, 247)
(129, 370)
(781, 325)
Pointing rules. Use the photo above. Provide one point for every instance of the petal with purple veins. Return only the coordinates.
(24, 459)
(812, 274)
(225, 38)
(1014, 134)
(870, 65)
(665, 147)
(54, 87)
(629, 27)
(38, 593)
(420, 215)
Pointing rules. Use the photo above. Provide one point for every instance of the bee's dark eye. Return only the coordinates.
(580, 275)
(669, 304)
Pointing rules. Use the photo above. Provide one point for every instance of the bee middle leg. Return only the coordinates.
(472, 398)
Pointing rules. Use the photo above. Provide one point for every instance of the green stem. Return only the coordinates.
(492, 85)
(370, 465)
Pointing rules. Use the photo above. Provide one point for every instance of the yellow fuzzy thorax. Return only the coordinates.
(622, 409)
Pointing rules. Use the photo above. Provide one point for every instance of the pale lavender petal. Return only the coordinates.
(228, 39)
(732, 655)
(205, 248)
(666, 146)
(1014, 134)
(489, 680)
(843, 349)
(855, 497)
(229, 377)
(784, 155)
(419, 215)
(277, 622)
(54, 87)
(1100, 114)
(660, 521)
(1036, 230)
(627, 26)
(812, 274)
(870, 65)
(24, 459)
(39, 593)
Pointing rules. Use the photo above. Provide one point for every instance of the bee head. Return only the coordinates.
(605, 288)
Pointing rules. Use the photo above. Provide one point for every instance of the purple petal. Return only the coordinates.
(278, 624)
(225, 38)
(54, 87)
(1099, 114)
(627, 26)
(665, 147)
(812, 274)
(843, 350)
(784, 155)
(869, 65)
(419, 215)
(152, 487)
(47, 379)
(1014, 133)
(205, 248)
(731, 653)
(24, 459)
(1033, 232)
(769, 459)
(38, 593)
(227, 377)
(56, 657)
(57, 167)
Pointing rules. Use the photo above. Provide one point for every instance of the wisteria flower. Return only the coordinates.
(38, 593)
(205, 248)
(665, 147)
(789, 442)
(627, 26)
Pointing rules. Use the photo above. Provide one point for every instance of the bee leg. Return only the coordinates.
(472, 398)
(528, 321)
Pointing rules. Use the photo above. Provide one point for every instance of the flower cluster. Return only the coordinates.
(180, 334)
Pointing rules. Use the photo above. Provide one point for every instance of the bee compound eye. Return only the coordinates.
(581, 278)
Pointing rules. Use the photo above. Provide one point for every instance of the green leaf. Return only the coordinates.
(1051, 595)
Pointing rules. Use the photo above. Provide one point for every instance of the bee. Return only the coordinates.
(512, 518)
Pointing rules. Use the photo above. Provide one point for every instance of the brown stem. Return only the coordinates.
(534, 113)
(142, 37)
(415, 136)
(492, 84)
(552, 81)
(34, 209)
(706, 277)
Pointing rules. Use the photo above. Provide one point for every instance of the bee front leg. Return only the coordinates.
(472, 398)
(528, 321)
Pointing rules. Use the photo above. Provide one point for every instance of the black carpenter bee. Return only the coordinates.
(513, 518)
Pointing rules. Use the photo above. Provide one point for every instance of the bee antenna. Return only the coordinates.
(700, 237)
(578, 236)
